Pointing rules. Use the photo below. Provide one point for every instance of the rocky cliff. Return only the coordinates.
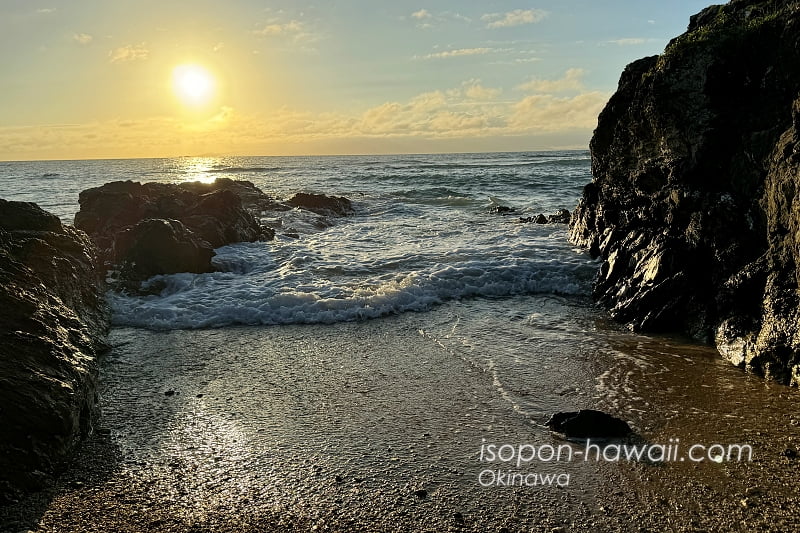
(53, 320)
(696, 169)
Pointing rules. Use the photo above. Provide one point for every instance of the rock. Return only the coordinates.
(253, 199)
(692, 203)
(562, 216)
(186, 222)
(421, 494)
(53, 321)
(790, 453)
(322, 204)
(588, 423)
(502, 210)
(158, 246)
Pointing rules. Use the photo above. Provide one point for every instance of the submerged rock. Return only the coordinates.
(322, 204)
(562, 216)
(589, 423)
(693, 200)
(502, 210)
(53, 320)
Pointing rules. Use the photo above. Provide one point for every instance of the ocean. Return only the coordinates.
(386, 346)
(425, 232)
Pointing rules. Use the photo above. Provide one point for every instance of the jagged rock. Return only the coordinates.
(253, 199)
(562, 216)
(322, 204)
(53, 321)
(588, 423)
(190, 220)
(692, 204)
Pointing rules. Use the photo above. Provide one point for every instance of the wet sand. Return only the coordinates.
(373, 426)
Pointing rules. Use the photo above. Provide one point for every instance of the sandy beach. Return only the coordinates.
(374, 426)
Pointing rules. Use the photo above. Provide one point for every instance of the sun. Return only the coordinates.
(194, 85)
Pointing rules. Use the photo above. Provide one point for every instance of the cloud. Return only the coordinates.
(294, 31)
(548, 113)
(461, 117)
(46, 10)
(571, 81)
(475, 91)
(425, 19)
(132, 52)
(293, 27)
(458, 52)
(518, 17)
(217, 47)
(82, 38)
(628, 41)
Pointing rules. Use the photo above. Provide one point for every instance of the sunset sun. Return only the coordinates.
(193, 84)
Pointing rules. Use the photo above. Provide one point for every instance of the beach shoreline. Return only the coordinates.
(373, 426)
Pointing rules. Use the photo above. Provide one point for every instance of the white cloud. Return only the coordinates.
(46, 10)
(457, 52)
(475, 91)
(425, 19)
(628, 41)
(518, 17)
(294, 31)
(132, 52)
(571, 81)
(548, 113)
(292, 27)
(82, 38)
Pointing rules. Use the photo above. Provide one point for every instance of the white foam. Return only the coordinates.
(259, 293)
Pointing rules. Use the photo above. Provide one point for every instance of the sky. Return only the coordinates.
(88, 79)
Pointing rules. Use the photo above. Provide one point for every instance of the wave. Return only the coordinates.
(435, 196)
(219, 299)
(236, 170)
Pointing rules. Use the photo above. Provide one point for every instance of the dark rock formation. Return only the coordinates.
(158, 246)
(588, 423)
(502, 210)
(692, 205)
(562, 216)
(322, 204)
(159, 228)
(53, 320)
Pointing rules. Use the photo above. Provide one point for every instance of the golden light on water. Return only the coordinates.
(193, 84)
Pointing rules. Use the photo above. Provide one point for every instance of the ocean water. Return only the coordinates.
(510, 298)
(424, 233)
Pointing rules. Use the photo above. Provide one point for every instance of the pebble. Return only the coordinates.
(753, 491)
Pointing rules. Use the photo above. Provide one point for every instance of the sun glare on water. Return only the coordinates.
(193, 84)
